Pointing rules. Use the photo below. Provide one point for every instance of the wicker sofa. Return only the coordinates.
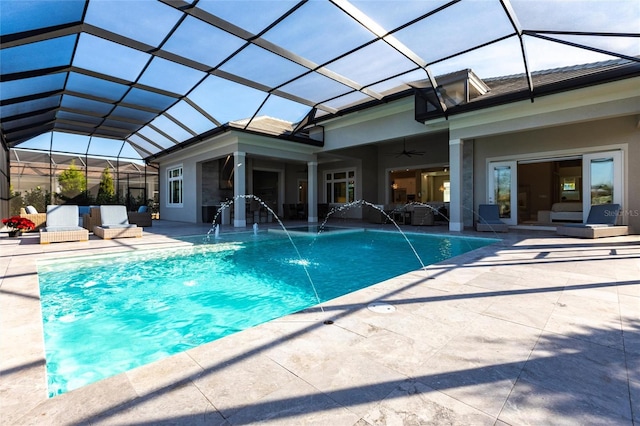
(423, 215)
(139, 218)
(378, 214)
(566, 211)
(39, 219)
(114, 223)
(91, 220)
(62, 225)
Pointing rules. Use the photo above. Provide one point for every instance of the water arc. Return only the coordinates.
(302, 262)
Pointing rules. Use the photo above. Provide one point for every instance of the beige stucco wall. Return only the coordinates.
(262, 153)
(615, 133)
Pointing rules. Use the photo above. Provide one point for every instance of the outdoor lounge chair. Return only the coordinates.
(30, 212)
(601, 222)
(489, 219)
(62, 225)
(423, 215)
(115, 224)
(141, 217)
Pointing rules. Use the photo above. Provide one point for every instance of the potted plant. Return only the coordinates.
(17, 225)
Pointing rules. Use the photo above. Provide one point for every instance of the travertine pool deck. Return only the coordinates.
(535, 329)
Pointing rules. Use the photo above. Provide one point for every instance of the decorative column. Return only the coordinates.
(312, 191)
(239, 203)
(455, 176)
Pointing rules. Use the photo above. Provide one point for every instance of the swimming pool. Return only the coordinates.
(104, 315)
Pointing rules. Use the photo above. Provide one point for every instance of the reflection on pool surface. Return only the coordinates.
(107, 314)
(315, 230)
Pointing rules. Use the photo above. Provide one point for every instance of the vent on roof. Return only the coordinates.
(460, 87)
(457, 88)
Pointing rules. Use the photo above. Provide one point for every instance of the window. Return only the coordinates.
(174, 176)
(340, 186)
(446, 191)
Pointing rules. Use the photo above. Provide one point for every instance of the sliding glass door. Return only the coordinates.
(599, 180)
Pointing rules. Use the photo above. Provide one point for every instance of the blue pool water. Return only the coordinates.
(105, 315)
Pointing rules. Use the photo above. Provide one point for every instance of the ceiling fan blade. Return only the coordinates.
(407, 153)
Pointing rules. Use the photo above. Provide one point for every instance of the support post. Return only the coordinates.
(239, 203)
(312, 191)
(455, 175)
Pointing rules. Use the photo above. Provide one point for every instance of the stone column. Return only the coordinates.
(239, 203)
(455, 176)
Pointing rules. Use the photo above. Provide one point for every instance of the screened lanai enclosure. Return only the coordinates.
(128, 81)
(35, 180)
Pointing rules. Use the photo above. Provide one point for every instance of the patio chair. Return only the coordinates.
(489, 219)
(114, 223)
(423, 215)
(92, 219)
(601, 222)
(141, 217)
(39, 219)
(62, 225)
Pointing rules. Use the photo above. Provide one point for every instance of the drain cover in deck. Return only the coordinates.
(381, 308)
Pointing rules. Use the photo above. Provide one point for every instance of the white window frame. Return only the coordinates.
(512, 166)
(175, 179)
(332, 181)
(618, 182)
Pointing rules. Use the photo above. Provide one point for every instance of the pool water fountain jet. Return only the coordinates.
(228, 203)
(361, 203)
(436, 212)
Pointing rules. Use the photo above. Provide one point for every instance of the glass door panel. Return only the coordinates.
(502, 184)
(603, 179)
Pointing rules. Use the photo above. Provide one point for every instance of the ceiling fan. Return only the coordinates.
(408, 153)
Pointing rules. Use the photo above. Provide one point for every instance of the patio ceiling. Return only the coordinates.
(136, 78)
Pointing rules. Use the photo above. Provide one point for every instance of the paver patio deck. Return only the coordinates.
(536, 329)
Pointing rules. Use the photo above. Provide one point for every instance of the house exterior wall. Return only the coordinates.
(261, 154)
(191, 159)
(579, 138)
(391, 121)
(187, 212)
(593, 119)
